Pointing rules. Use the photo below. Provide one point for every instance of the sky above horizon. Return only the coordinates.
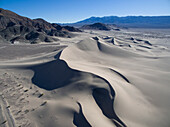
(68, 11)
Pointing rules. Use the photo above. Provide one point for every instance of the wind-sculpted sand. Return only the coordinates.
(101, 79)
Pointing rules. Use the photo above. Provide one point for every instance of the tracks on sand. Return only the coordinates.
(5, 115)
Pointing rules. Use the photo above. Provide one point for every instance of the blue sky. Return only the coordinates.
(62, 11)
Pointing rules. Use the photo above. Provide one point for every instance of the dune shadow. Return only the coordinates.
(57, 74)
(121, 75)
(147, 42)
(106, 104)
(54, 74)
(99, 45)
(103, 100)
(144, 46)
(79, 119)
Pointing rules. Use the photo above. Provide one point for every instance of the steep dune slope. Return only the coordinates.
(84, 88)
(99, 81)
(135, 105)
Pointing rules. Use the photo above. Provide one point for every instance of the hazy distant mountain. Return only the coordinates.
(16, 28)
(130, 21)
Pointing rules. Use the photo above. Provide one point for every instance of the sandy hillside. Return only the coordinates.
(97, 79)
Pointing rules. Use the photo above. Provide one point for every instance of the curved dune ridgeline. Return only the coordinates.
(97, 79)
(56, 74)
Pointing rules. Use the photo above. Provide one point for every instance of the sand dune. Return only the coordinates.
(128, 63)
(113, 79)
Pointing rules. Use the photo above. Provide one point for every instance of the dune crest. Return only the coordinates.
(60, 76)
(128, 94)
(97, 79)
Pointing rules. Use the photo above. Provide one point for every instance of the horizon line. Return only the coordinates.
(89, 17)
(113, 16)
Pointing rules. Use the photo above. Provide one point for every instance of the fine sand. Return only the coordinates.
(97, 79)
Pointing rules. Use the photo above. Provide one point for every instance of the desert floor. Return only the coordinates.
(98, 79)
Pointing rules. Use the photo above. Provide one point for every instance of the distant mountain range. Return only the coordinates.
(129, 21)
(15, 29)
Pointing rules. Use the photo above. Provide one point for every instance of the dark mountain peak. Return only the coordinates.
(14, 27)
(42, 24)
(9, 18)
(97, 26)
(66, 28)
(72, 29)
(8, 13)
(58, 27)
(41, 20)
(11, 15)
